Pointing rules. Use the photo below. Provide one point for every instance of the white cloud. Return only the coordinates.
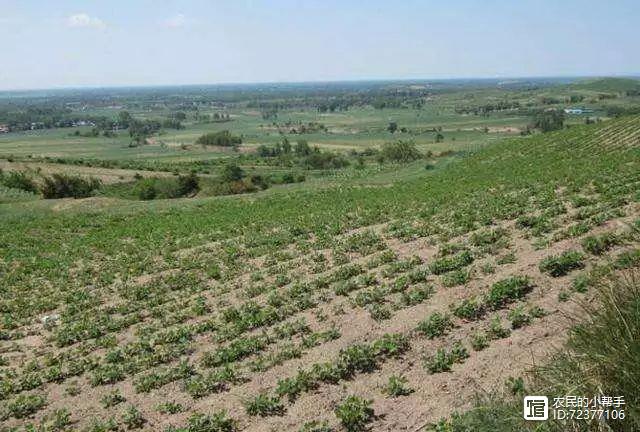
(84, 20)
(175, 21)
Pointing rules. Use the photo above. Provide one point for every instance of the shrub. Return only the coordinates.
(231, 172)
(222, 138)
(188, 184)
(562, 264)
(18, 180)
(507, 291)
(145, 189)
(437, 324)
(400, 151)
(68, 186)
(355, 413)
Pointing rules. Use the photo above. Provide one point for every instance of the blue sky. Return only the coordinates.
(67, 43)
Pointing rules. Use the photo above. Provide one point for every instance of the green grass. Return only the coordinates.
(600, 358)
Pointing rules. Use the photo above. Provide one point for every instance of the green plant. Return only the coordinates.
(450, 263)
(68, 186)
(515, 386)
(597, 245)
(562, 264)
(316, 426)
(24, 405)
(479, 341)
(217, 422)
(397, 386)
(563, 296)
(112, 398)
(355, 413)
(443, 360)
(456, 277)
(495, 330)
(437, 324)
(133, 418)
(469, 309)
(507, 291)
(264, 405)
(169, 408)
(519, 318)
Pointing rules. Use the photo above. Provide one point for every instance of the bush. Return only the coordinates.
(231, 172)
(400, 151)
(562, 264)
(355, 413)
(18, 180)
(145, 189)
(68, 186)
(222, 138)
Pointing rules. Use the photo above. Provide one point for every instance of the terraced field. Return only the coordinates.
(268, 313)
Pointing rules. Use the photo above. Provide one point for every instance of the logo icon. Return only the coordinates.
(536, 408)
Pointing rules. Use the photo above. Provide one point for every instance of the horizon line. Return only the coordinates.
(330, 81)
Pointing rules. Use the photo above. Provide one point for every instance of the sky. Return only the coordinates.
(70, 43)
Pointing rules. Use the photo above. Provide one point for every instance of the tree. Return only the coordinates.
(302, 148)
(232, 172)
(548, 120)
(124, 119)
(223, 139)
(400, 151)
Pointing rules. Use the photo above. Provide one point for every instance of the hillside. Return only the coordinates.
(275, 308)
(609, 84)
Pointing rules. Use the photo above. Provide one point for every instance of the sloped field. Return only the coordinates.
(276, 309)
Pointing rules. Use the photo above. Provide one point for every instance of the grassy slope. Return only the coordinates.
(503, 181)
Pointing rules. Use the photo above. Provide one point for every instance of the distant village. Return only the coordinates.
(5, 128)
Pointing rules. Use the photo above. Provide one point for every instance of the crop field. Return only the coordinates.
(383, 297)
